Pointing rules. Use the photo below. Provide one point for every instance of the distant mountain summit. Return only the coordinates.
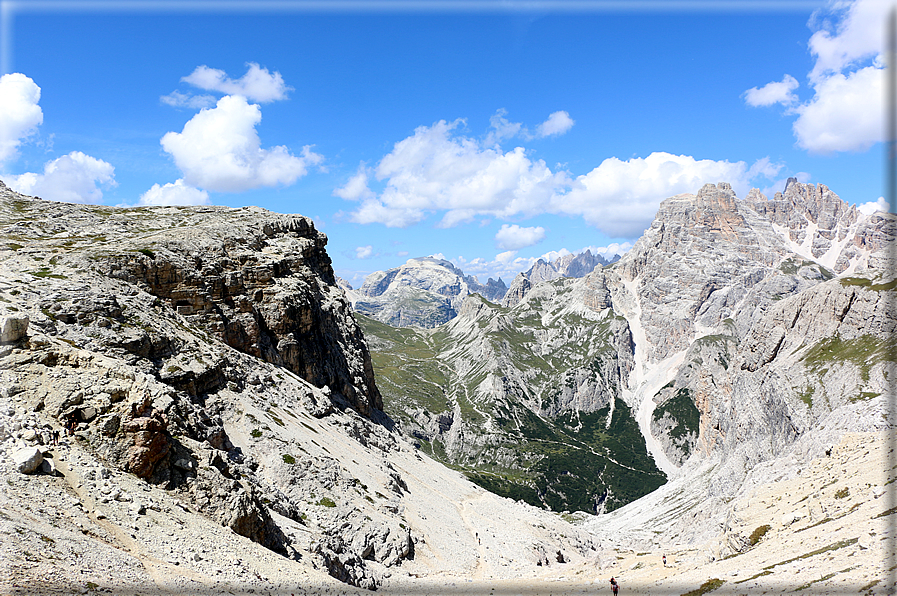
(424, 292)
(570, 265)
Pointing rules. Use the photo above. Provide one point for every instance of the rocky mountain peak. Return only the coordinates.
(424, 292)
(568, 265)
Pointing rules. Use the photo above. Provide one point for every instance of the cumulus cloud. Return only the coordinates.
(846, 112)
(873, 206)
(502, 128)
(557, 124)
(257, 84)
(20, 114)
(364, 252)
(847, 32)
(174, 194)
(436, 170)
(357, 187)
(621, 197)
(772, 93)
(513, 237)
(220, 150)
(176, 99)
(72, 178)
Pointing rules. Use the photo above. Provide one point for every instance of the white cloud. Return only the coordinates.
(772, 93)
(220, 150)
(19, 113)
(364, 252)
(846, 114)
(871, 207)
(848, 33)
(513, 237)
(502, 128)
(438, 171)
(174, 194)
(176, 99)
(621, 197)
(557, 124)
(434, 170)
(357, 187)
(257, 84)
(72, 178)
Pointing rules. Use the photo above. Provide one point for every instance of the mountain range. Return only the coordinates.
(236, 427)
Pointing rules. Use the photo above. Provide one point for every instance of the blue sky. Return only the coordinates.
(489, 133)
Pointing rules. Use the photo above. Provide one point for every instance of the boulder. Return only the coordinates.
(13, 328)
(28, 460)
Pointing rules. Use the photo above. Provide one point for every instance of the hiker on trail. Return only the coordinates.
(664, 560)
(614, 586)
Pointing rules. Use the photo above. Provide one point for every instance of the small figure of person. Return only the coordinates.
(614, 586)
(664, 560)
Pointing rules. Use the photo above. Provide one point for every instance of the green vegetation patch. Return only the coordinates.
(147, 252)
(45, 272)
(843, 493)
(864, 352)
(708, 586)
(759, 533)
(326, 502)
(573, 462)
(867, 283)
(256, 433)
(288, 459)
(687, 419)
(806, 395)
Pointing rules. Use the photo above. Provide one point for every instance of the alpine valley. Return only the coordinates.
(245, 422)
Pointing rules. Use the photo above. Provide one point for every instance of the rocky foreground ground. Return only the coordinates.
(86, 529)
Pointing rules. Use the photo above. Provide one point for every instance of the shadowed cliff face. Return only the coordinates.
(266, 289)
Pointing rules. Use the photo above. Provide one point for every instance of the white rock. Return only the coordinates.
(28, 460)
(13, 328)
